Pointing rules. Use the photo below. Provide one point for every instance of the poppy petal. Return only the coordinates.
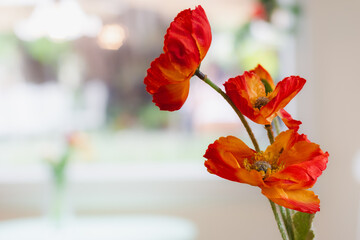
(243, 91)
(180, 45)
(312, 162)
(299, 200)
(171, 97)
(264, 76)
(285, 91)
(283, 141)
(201, 31)
(225, 158)
(288, 120)
(303, 161)
(161, 73)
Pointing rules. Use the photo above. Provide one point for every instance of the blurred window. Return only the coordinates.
(54, 83)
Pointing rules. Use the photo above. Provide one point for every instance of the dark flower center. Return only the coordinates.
(260, 102)
(261, 166)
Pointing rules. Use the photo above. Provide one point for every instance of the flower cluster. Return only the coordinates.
(289, 166)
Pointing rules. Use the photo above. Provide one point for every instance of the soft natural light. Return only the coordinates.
(58, 20)
(111, 37)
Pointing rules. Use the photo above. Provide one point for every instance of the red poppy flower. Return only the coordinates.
(284, 171)
(256, 96)
(186, 43)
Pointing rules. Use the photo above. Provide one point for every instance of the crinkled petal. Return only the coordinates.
(188, 39)
(264, 75)
(253, 86)
(299, 200)
(162, 73)
(303, 161)
(225, 158)
(243, 91)
(168, 86)
(288, 120)
(180, 45)
(283, 141)
(285, 91)
(201, 31)
(171, 97)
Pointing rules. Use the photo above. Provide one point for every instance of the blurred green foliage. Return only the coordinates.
(46, 51)
(8, 45)
(151, 117)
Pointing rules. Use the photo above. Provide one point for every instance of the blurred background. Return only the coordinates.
(82, 145)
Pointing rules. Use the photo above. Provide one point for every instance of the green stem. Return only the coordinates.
(285, 213)
(277, 125)
(289, 222)
(286, 217)
(278, 221)
(270, 133)
(226, 97)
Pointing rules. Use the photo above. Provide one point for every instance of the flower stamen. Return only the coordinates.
(265, 163)
(262, 166)
(260, 102)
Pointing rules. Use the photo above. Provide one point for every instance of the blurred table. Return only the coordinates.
(126, 227)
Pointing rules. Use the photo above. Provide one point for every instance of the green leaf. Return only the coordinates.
(310, 235)
(302, 226)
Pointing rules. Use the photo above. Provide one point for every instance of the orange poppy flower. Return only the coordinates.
(256, 96)
(186, 43)
(284, 171)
